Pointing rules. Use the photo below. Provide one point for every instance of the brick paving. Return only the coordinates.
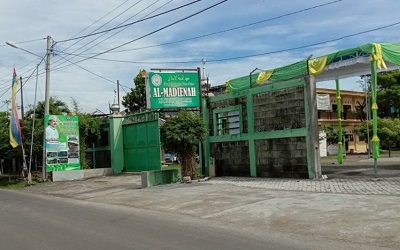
(369, 186)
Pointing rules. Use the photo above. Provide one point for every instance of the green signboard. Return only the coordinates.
(62, 143)
(173, 90)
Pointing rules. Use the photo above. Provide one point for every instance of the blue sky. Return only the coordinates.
(26, 20)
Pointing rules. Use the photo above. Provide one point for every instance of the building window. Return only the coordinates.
(346, 111)
(228, 121)
(334, 107)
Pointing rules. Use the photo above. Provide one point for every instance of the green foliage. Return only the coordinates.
(89, 132)
(331, 134)
(388, 93)
(135, 101)
(6, 151)
(388, 131)
(181, 134)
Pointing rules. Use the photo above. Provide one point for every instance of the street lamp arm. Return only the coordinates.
(11, 44)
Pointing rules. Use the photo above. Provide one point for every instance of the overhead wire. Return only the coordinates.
(28, 41)
(97, 29)
(25, 82)
(111, 35)
(253, 55)
(102, 26)
(129, 24)
(102, 77)
(230, 29)
(100, 20)
(150, 33)
(91, 72)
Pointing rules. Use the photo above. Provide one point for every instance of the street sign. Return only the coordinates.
(172, 90)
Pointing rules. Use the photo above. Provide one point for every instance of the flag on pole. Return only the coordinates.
(15, 128)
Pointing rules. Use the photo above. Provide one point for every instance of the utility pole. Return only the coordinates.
(46, 101)
(24, 168)
(118, 94)
(22, 104)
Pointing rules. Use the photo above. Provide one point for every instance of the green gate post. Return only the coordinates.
(375, 138)
(206, 142)
(250, 128)
(116, 144)
(339, 115)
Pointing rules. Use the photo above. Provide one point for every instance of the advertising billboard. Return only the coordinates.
(62, 143)
(173, 90)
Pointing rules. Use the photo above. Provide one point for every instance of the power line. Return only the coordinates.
(150, 33)
(74, 36)
(103, 26)
(253, 55)
(22, 84)
(95, 23)
(111, 35)
(98, 29)
(19, 69)
(305, 46)
(230, 29)
(28, 41)
(102, 77)
(129, 24)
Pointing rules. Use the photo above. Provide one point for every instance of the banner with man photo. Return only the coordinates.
(62, 143)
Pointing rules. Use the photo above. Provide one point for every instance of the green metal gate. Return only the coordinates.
(141, 138)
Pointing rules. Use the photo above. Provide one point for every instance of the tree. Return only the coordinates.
(331, 134)
(388, 131)
(135, 101)
(6, 151)
(388, 93)
(182, 134)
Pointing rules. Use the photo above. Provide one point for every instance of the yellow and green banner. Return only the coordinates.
(62, 143)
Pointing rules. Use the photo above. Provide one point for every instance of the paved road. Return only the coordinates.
(325, 213)
(30, 221)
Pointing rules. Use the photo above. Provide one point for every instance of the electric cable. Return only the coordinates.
(227, 30)
(138, 21)
(28, 41)
(253, 55)
(102, 77)
(150, 33)
(22, 84)
(57, 65)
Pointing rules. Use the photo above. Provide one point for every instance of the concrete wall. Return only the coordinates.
(284, 157)
(160, 177)
(278, 110)
(231, 158)
(80, 174)
(273, 111)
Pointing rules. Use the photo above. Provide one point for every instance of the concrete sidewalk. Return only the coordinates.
(365, 212)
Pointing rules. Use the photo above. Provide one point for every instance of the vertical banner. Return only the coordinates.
(62, 143)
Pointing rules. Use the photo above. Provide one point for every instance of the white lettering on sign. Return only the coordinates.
(175, 92)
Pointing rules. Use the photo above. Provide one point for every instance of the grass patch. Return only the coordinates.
(173, 166)
(17, 184)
